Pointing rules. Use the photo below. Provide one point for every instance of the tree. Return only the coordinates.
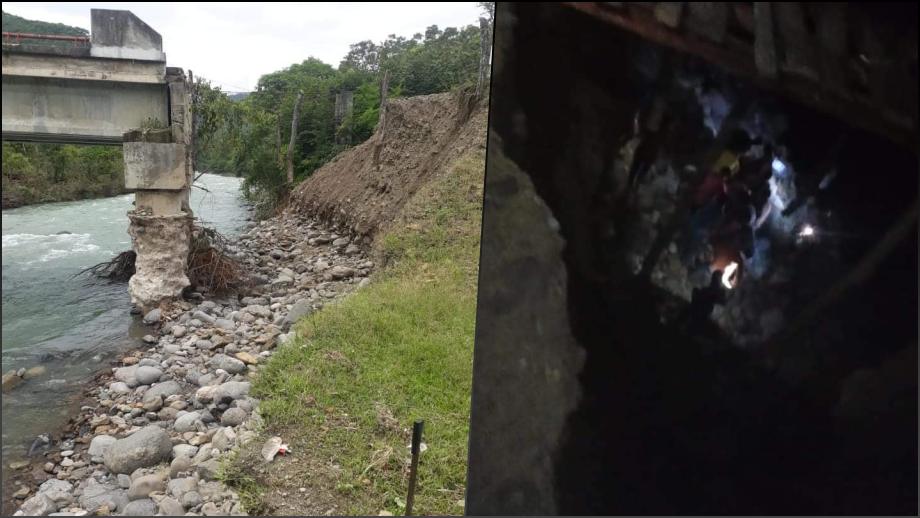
(290, 153)
(488, 11)
(245, 136)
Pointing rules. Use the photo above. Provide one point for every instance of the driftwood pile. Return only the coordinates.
(210, 267)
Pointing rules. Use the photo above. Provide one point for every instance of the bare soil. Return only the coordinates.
(423, 134)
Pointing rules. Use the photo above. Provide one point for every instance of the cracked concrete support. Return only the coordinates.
(162, 246)
(158, 164)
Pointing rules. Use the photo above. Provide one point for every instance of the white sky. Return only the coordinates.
(232, 44)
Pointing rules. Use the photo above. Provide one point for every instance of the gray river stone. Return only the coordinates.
(180, 486)
(170, 507)
(224, 439)
(233, 390)
(96, 495)
(141, 487)
(119, 387)
(258, 310)
(301, 309)
(164, 389)
(59, 491)
(233, 417)
(143, 507)
(227, 363)
(146, 375)
(204, 317)
(187, 422)
(152, 316)
(208, 469)
(179, 464)
(145, 447)
(191, 499)
(127, 375)
(184, 450)
(38, 505)
(223, 323)
(99, 445)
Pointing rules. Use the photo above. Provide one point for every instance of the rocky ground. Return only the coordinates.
(151, 434)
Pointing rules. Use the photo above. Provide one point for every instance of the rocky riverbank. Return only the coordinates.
(152, 432)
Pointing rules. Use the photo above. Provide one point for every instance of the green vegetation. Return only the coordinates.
(13, 23)
(39, 173)
(346, 390)
(249, 135)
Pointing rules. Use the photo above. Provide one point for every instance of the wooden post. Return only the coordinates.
(290, 150)
(413, 468)
(382, 120)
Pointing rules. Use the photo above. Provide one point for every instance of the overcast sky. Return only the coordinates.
(234, 44)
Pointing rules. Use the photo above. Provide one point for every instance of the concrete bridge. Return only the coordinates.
(115, 88)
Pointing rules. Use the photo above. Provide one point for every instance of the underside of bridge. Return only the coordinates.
(115, 88)
(638, 151)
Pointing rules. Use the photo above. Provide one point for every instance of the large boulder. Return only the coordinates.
(145, 447)
(100, 444)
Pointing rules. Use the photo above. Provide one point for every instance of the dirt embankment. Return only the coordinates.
(422, 135)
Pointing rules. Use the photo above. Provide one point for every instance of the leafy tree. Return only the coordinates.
(249, 136)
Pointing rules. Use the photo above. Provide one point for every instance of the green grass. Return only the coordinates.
(403, 346)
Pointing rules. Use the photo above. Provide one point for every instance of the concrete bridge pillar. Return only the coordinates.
(158, 164)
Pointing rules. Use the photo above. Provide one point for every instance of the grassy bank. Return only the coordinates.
(345, 392)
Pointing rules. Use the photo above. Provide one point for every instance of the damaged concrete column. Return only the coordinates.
(158, 165)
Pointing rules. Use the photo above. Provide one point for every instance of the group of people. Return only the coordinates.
(728, 206)
(731, 202)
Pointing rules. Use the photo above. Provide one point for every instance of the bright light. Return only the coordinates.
(778, 166)
(807, 231)
(728, 274)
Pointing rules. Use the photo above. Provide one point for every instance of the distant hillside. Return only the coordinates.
(13, 23)
(239, 96)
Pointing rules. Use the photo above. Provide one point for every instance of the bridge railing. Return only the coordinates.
(18, 37)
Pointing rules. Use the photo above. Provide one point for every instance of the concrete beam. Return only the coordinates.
(30, 64)
(39, 109)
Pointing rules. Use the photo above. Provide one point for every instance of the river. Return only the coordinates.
(73, 326)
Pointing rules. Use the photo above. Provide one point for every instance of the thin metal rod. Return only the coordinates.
(413, 469)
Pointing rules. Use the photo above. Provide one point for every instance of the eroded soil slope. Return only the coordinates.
(422, 135)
